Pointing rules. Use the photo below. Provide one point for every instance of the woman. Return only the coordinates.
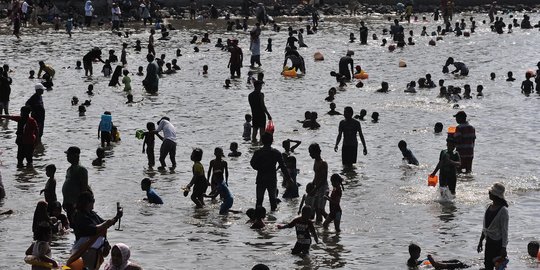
(120, 254)
(495, 228)
(115, 79)
(88, 226)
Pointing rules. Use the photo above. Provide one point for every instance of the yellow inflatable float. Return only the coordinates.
(35, 261)
(362, 75)
(291, 73)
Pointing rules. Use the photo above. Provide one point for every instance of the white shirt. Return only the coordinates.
(88, 8)
(24, 7)
(169, 131)
(116, 13)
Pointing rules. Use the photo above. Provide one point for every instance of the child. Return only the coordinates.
(407, 154)
(107, 68)
(527, 85)
(174, 63)
(50, 186)
(479, 90)
(411, 87)
(384, 88)
(257, 217)
(308, 199)
(205, 70)
(351, 38)
(74, 100)
(126, 81)
(90, 90)
(304, 231)
(449, 160)
(123, 55)
(112, 57)
(532, 249)
(105, 129)
(138, 45)
(82, 110)
(218, 167)
(334, 199)
(198, 181)
(60, 221)
(413, 262)
(100, 153)
(247, 128)
(250, 77)
(78, 65)
(227, 84)
(331, 94)
(31, 73)
(149, 141)
(269, 45)
(333, 109)
(151, 195)
(375, 117)
(140, 71)
(40, 250)
(361, 116)
(222, 189)
(69, 25)
(234, 150)
(438, 128)
(467, 93)
(313, 121)
(492, 76)
(510, 77)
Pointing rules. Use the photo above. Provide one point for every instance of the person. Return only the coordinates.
(396, 32)
(264, 161)
(460, 67)
(411, 87)
(40, 249)
(479, 89)
(492, 76)
(217, 170)
(384, 88)
(465, 137)
(100, 153)
(46, 69)
(247, 128)
(375, 117)
(26, 136)
(35, 102)
(50, 186)
(510, 77)
(120, 254)
(413, 262)
(107, 68)
(304, 231)
(115, 78)
(297, 61)
(291, 40)
(149, 142)
(60, 223)
(334, 199)
(527, 85)
(320, 181)
(532, 248)
(308, 199)
(407, 153)
(144, 12)
(301, 43)
(126, 81)
(236, 59)
(198, 181)
(151, 195)
(88, 13)
(105, 129)
(260, 266)
(269, 45)
(467, 93)
(363, 33)
(151, 49)
(76, 182)
(115, 17)
(5, 91)
(222, 189)
(91, 56)
(255, 46)
(168, 147)
(151, 81)
(449, 161)
(348, 128)
(437, 129)
(258, 110)
(17, 24)
(41, 218)
(192, 9)
(495, 227)
(312, 123)
(234, 150)
(69, 25)
(86, 225)
(344, 64)
(257, 217)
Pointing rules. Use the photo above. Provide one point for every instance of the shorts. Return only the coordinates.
(300, 249)
(87, 65)
(225, 206)
(335, 216)
(349, 154)
(105, 137)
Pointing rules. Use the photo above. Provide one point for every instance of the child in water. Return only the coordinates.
(533, 248)
(50, 186)
(247, 128)
(449, 161)
(308, 199)
(105, 129)
(90, 90)
(527, 85)
(304, 231)
(375, 117)
(407, 153)
(269, 45)
(257, 217)
(227, 84)
(149, 142)
(198, 181)
(479, 90)
(40, 250)
(218, 168)
(205, 70)
(100, 153)
(414, 262)
(107, 69)
(234, 150)
(126, 81)
(361, 116)
(510, 77)
(334, 199)
(31, 74)
(151, 195)
(438, 128)
(140, 71)
(333, 109)
(222, 189)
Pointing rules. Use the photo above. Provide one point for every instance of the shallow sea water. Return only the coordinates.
(386, 204)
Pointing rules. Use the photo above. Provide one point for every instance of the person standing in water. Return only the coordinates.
(255, 46)
(344, 64)
(151, 81)
(320, 182)
(348, 129)
(38, 110)
(76, 182)
(168, 146)
(235, 62)
(88, 13)
(258, 110)
(27, 135)
(94, 54)
(465, 136)
(363, 33)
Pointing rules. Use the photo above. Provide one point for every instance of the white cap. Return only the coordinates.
(39, 86)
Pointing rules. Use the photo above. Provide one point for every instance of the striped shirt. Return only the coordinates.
(465, 136)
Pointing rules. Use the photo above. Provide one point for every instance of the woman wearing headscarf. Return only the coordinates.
(119, 260)
(495, 229)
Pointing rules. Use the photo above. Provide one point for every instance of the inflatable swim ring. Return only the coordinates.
(289, 72)
(35, 261)
(362, 75)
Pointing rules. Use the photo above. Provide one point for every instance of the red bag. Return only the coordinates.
(270, 127)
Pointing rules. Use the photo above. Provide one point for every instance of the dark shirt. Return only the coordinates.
(36, 102)
(264, 161)
(408, 155)
(236, 55)
(75, 184)
(344, 63)
(5, 88)
(84, 224)
(350, 128)
(153, 197)
(50, 191)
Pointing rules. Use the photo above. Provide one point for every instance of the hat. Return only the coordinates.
(39, 86)
(73, 150)
(497, 190)
(460, 114)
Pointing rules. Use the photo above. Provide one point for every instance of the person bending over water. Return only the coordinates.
(460, 67)
(297, 61)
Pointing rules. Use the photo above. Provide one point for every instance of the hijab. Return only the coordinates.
(124, 250)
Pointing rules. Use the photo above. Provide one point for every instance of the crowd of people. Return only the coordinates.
(90, 230)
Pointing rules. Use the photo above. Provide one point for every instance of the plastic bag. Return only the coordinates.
(270, 127)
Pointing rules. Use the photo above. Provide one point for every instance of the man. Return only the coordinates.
(88, 13)
(38, 110)
(27, 134)
(168, 146)
(235, 62)
(255, 45)
(348, 129)
(320, 181)
(5, 91)
(363, 33)
(264, 162)
(151, 81)
(464, 136)
(76, 182)
(344, 64)
(258, 110)
(396, 31)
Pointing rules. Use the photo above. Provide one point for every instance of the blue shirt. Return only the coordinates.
(223, 189)
(153, 197)
(408, 155)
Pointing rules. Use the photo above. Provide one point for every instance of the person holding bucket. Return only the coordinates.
(449, 160)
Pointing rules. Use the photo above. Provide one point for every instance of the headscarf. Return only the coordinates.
(124, 250)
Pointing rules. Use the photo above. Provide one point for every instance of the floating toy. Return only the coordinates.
(289, 72)
(362, 75)
(139, 134)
